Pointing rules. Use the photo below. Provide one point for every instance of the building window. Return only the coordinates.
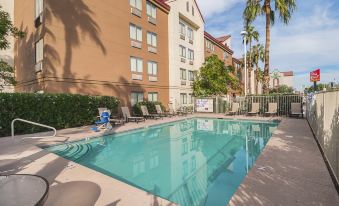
(190, 54)
(190, 33)
(192, 10)
(39, 6)
(153, 96)
(135, 32)
(182, 51)
(188, 6)
(39, 51)
(152, 68)
(190, 99)
(191, 75)
(152, 39)
(136, 97)
(182, 29)
(136, 64)
(225, 55)
(151, 10)
(183, 98)
(209, 45)
(183, 74)
(136, 4)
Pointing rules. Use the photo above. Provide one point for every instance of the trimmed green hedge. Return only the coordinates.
(150, 107)
(56, 110)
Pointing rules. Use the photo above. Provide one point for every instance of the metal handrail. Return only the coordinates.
(34, 123)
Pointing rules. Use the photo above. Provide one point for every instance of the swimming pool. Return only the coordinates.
(192, 162)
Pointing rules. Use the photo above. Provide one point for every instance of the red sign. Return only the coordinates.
(315, 76)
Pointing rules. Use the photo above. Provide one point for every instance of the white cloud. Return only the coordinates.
(211, 7)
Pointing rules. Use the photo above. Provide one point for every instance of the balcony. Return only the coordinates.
(153, 78)
(152, 49)
(183, 60)
(152, 20)
(137, 77)
(135, 11)
(136, 44)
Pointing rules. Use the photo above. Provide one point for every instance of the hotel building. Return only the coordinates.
(115, 48)
(186, 49)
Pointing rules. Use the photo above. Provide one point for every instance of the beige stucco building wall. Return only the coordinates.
(179, 13)
(8, 54)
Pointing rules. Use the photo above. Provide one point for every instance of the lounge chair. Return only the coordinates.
(128, 117)
(161, 113)
(146, 114)
(235, 108)
(296, 109)
(182, 111)
(171, 110)
(103, 122)
(255, 109)
(272, 109)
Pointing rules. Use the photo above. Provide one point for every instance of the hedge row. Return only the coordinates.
(56, 110)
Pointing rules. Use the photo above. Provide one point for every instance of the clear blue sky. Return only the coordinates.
(310, 41)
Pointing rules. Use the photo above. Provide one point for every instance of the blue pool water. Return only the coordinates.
(191, 162)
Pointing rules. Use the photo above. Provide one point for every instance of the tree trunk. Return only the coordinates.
(266, 78)
(249, 68)
(257, 81)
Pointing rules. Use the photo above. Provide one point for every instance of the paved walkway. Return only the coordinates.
(290, 171)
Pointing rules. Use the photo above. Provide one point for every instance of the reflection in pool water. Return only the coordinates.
(191, 162)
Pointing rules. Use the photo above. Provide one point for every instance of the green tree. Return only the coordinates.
(255, 8)
(214, 78)
(282, 89)
(251, 35)
(7, 30)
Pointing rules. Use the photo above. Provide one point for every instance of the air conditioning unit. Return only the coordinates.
(136, 11)
(152, 20)
(191, 83)
(152, 49)
(136, 44)
(38, 67)
(191, 41)
(182, 36)
(183, 83)
(183, 60)
(153, 79)
(191, 62)
(38, 21)
(136, 77)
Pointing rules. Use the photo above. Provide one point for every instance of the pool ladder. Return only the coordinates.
(33, 123)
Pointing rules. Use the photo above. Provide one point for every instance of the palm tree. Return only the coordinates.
(255, 8)
(251, 35)
(258, 56)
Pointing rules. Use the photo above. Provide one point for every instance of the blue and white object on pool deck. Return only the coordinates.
(103, 122)
(191, 162)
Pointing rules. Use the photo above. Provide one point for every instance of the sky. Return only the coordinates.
(308, 42)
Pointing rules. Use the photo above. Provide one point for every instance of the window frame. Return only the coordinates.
(153, 94)
(153, 9)
(39, 51)
(152, 35)
(183, 98)
(182, 50)
(190, 54)
(183, 71)
(182, 29)
(136, 5)
(191, 75)
(190, 30)
(136, 32)
(138, 99)
(153, 69)
(137, 64)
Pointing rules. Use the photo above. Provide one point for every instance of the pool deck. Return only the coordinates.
(290, 170)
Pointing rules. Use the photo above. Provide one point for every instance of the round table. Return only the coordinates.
(23, 190)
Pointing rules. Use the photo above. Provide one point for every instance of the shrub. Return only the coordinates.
(56, 110)
(150, 107)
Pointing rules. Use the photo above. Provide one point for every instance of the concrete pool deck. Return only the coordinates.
(290, 170)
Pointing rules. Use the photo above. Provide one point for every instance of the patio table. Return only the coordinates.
(18, 190)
